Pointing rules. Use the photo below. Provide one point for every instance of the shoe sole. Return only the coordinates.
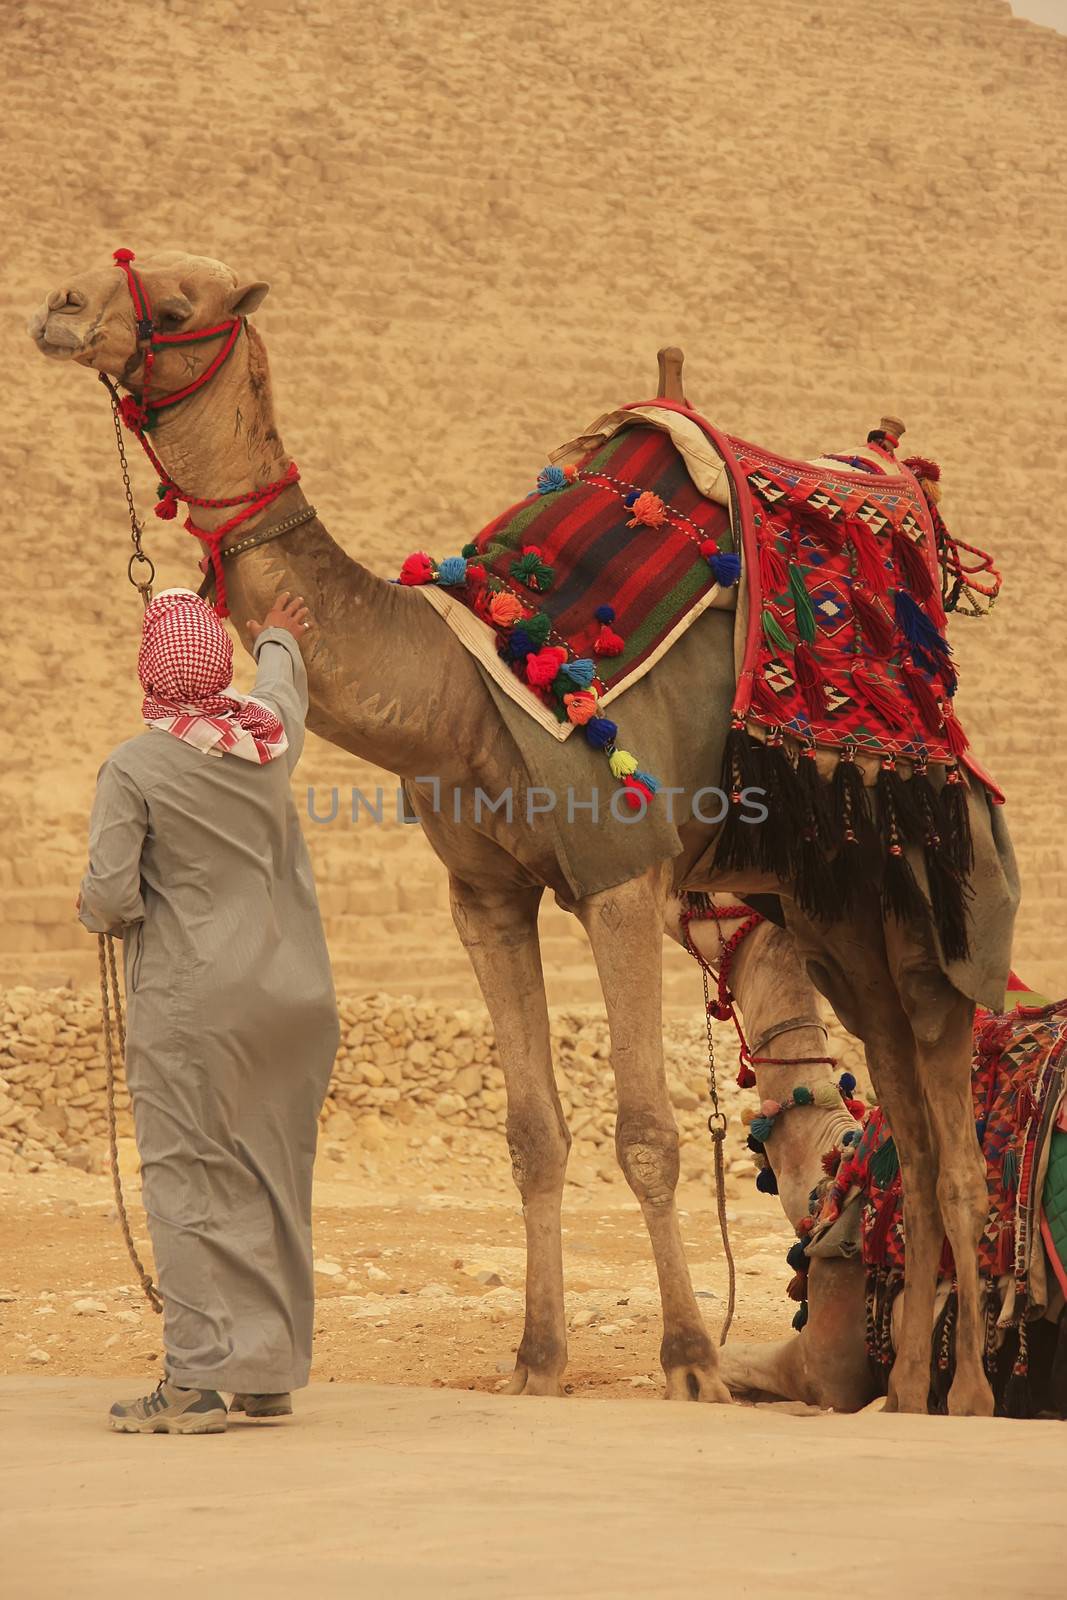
(262, 1411)
(203, 1422)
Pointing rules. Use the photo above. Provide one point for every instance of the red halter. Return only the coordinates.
(140, 416)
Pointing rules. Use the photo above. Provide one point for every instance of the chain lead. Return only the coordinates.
(717, 1129)
(138, 558)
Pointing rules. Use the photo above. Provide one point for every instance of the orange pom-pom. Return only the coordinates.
(506, 610)
(647, 510)
(581, 708)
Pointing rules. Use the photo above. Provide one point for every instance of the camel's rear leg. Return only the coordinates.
(499, 932)
(625, 928)
(942, 1021)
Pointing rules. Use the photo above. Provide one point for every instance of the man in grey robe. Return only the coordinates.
(197, 859)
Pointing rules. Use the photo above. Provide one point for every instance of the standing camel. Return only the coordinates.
(391, 683)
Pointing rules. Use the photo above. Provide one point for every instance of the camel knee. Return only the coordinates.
(962, 1190)
(539, 1142)
(648, 1155)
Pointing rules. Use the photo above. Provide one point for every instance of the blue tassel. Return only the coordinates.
(632, 498)
(761, 1128)
(549, 479)
(851, 1137)
(605, 613)
(580, 672)
(520, 645)
(917, 627)
(797, 1257)
(648, 780)
(754, 1144)
(600, 732)
(766, 1182)
(452, 570)
(847, 1083)
(725, 567)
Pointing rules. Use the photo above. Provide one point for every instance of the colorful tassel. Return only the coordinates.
(651, 784)
(452, 571)
(417, 569)
(622, 764)
(958, 741)
(870, 562)
(925, 699)
(601, 731)
(766, 1182)
(469, 550)
(802, 611)
(518, 645)
(846, 1083)
(549, 479)
(543, 667)
(812, 681)
(638, 795)
(648, 511)
(772, 573)
(505, 610)
(878, 626)
(605, 613)
(775, 632)
(881, 698)
(531, 570)
(725, 565)
(917, 627)
(581, 708)
(538, 628)
(608, 643)
(913, 566)
(581, 672)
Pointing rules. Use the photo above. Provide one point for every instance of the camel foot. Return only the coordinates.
(909, 1389)
(696, 1383)
(525, 1381)
(970, 1396)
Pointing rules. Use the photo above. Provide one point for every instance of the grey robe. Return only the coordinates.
(198, 860)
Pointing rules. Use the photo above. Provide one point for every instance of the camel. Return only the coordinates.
(391, 683)
(825, 1364)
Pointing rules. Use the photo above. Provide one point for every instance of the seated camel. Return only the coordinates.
(902, 905)
(848, 1321)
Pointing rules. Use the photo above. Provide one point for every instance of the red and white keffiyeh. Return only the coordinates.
(185, 665)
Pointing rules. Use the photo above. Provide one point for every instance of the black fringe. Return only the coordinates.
(949, 891)
(815, 888)
(901, 896)
(737, 845)
(955, 829)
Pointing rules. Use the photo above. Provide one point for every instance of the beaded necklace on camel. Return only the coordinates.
(141, 416)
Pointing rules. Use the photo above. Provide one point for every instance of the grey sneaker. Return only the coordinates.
(263, 1405)
(171, 1410)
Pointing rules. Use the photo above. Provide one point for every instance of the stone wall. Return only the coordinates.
(414, 1063)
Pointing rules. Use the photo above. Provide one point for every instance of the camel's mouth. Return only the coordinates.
(56, 337)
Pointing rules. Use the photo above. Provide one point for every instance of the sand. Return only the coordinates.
(404, 1493)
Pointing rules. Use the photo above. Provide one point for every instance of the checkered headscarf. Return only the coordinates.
(185, 665)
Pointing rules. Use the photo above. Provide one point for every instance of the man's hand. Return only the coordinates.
(292, 615)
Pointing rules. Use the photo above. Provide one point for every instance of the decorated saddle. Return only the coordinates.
(1020, 1112)
(847, 573)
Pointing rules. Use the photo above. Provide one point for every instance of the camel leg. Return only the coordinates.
(625, 928)
(825, 1364)
(848, 962)
(942, 1020)
(499, 932)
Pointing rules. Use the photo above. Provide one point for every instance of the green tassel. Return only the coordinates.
(805, 616)
(1010, 1168)
(775, 632)
(537, 628)
(469, 550)
(885, 1164)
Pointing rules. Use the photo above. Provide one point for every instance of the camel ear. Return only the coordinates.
(248, 297)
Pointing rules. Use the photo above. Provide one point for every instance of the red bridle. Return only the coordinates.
(140, 416)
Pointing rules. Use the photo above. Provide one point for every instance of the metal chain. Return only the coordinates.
(717, 1129)
(143, 585)
(109, 980)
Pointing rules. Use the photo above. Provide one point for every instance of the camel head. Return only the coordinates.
(91, 319)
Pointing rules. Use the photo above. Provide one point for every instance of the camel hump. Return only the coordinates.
(671, 360)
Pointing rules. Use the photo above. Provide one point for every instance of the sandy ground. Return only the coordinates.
(415, 1284)
(377, 1491)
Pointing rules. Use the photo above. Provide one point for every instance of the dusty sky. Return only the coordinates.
(1053, 13)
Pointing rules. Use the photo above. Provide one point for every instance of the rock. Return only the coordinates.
(491, 1280)
(467, 1082)
(130, 1317)
(7, 1295)
(40, 1357)
(328, 1269)
(375, 1274)
(88, 1307)
(609, 1327)
(641, 1380)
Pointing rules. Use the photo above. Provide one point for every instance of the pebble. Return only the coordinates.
(7, 1295)
(375, 1274)
(609, 1327)
(86, 1308)
(328, 1269)
(642, 1381)
(39, 1357)
(491, 1280)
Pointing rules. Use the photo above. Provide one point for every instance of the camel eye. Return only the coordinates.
(173, 313)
